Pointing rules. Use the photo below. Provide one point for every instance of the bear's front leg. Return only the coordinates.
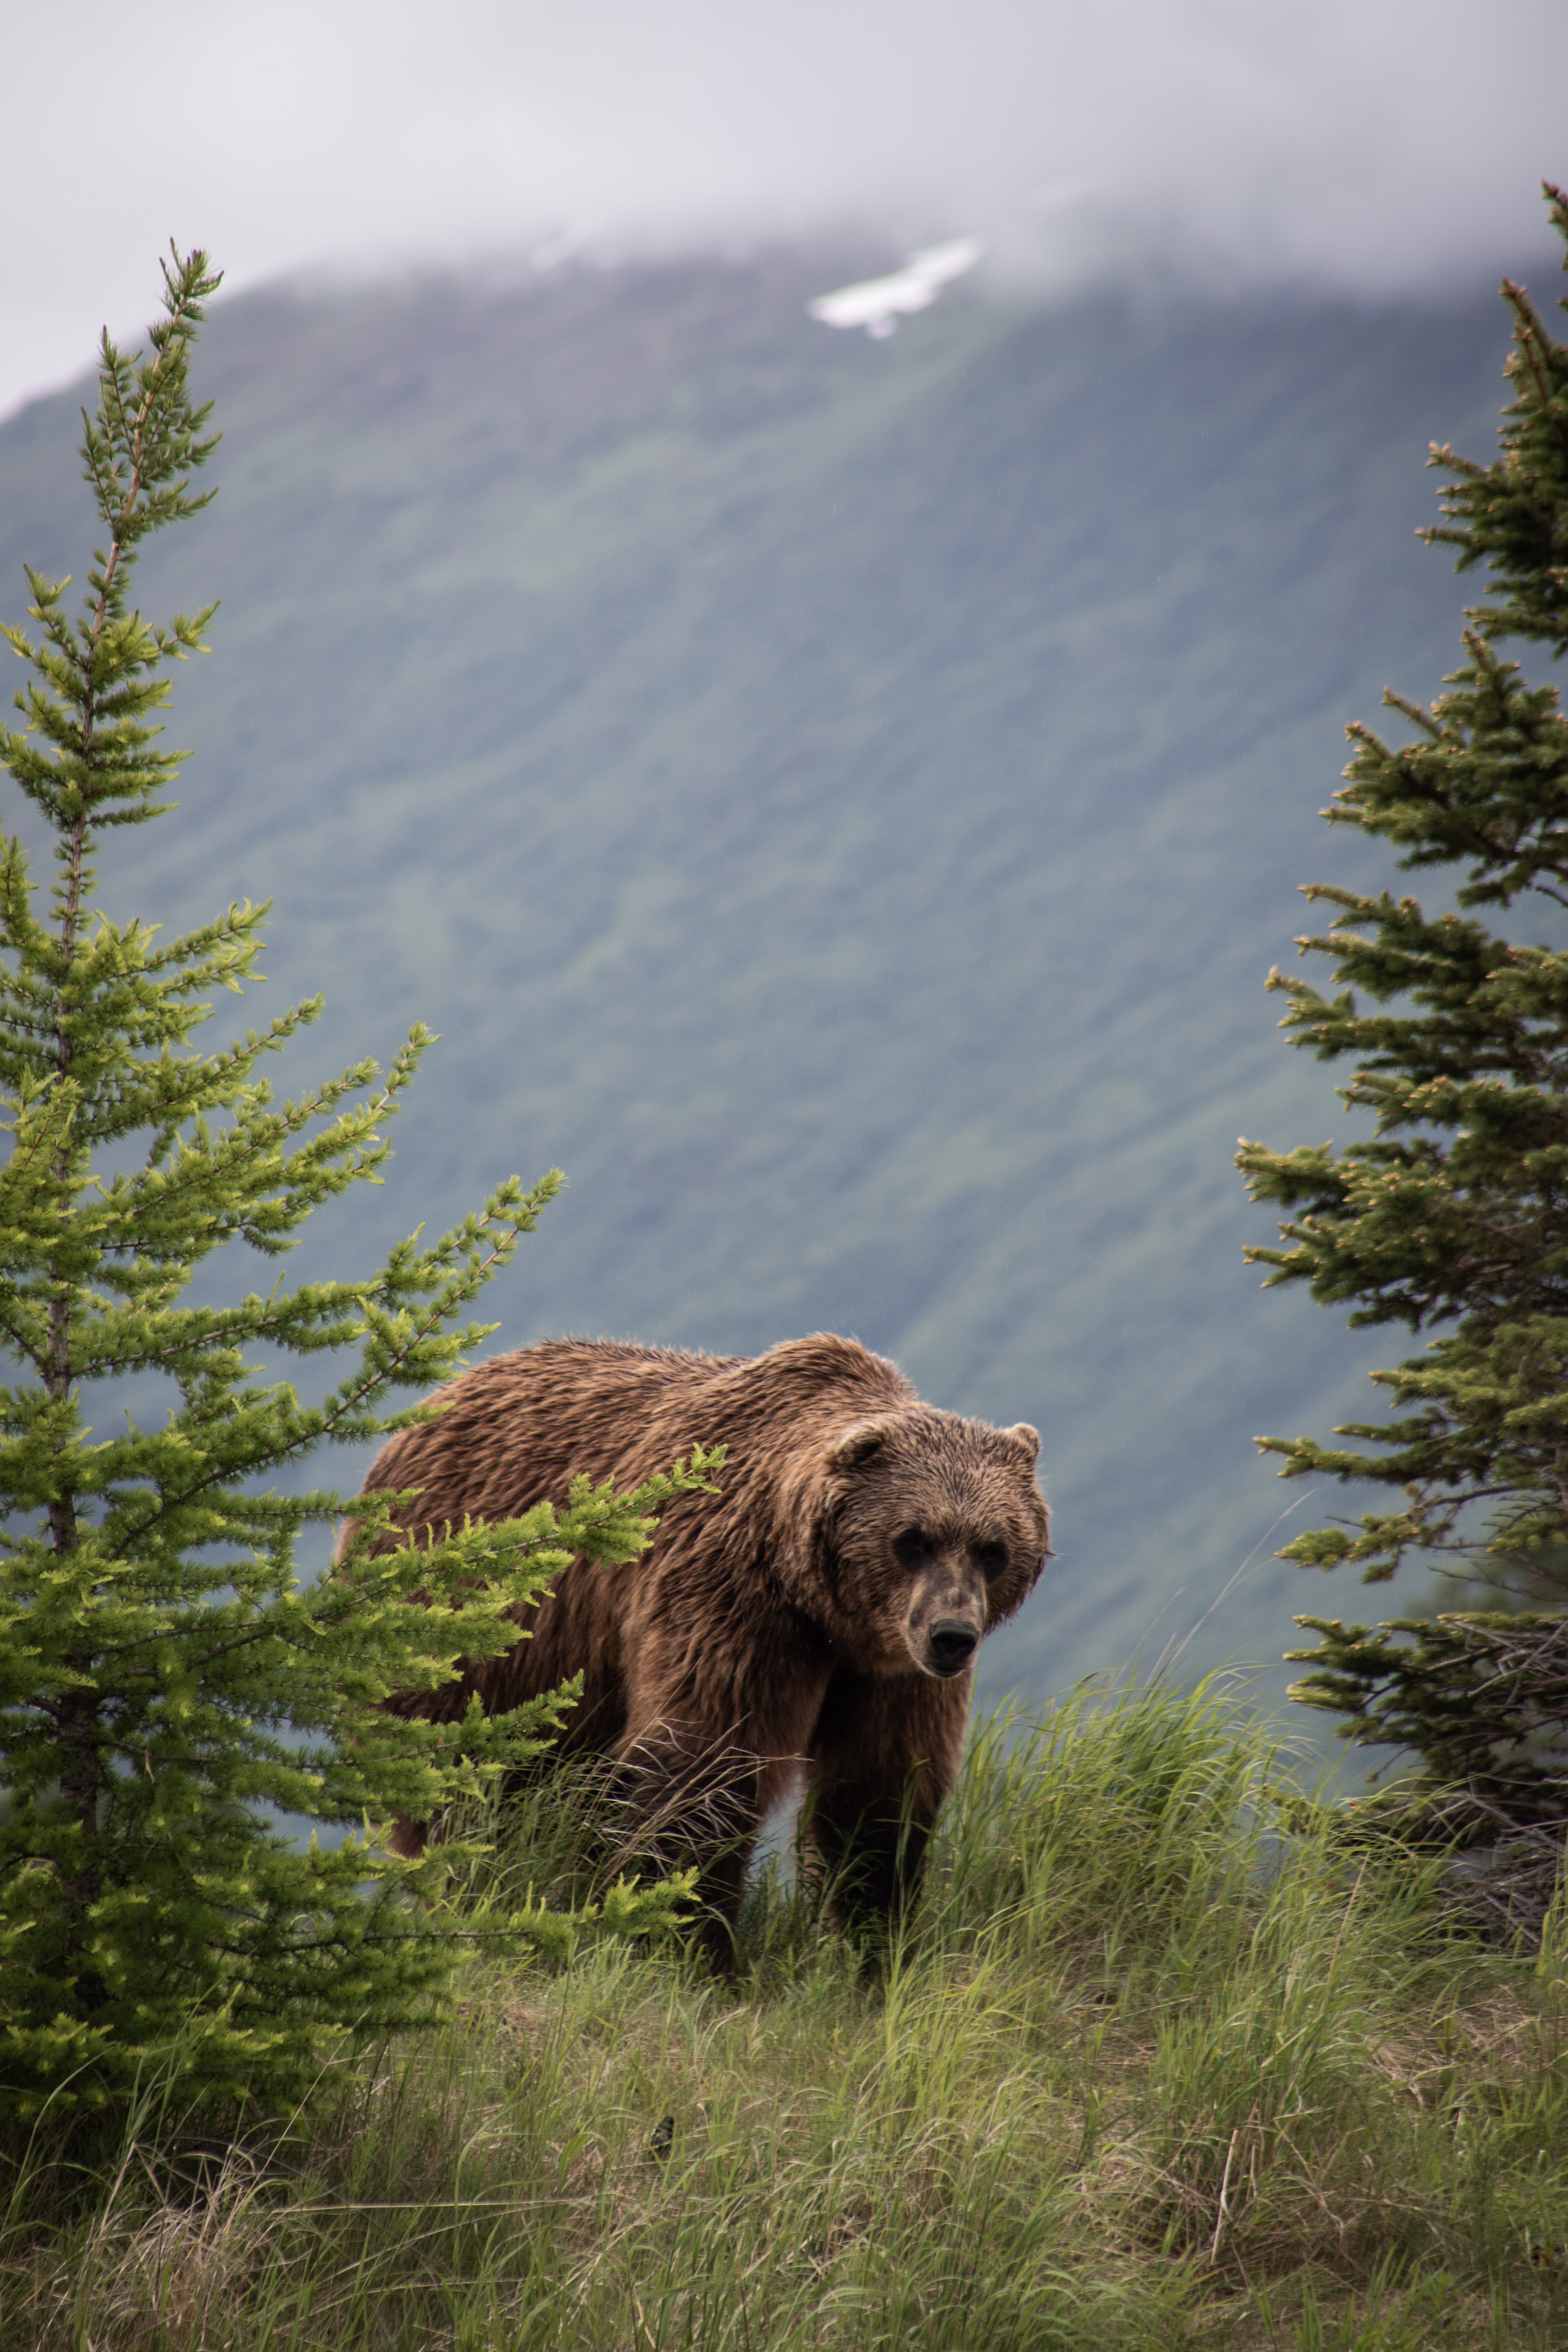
(689, 1805)
(713, 1738)
(881, 1760)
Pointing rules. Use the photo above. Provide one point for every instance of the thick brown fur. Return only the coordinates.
(821, 1611)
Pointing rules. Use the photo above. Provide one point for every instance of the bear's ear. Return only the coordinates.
(857, 1444)
(1024, 1439)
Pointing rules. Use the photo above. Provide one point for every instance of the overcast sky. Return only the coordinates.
(1367, 143)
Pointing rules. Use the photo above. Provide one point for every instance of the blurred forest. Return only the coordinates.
(840, 800)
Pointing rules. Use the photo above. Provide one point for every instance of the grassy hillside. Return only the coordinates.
(839, 800)
(1167, 2066)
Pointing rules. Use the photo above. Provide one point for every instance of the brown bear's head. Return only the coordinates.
(935, 1529)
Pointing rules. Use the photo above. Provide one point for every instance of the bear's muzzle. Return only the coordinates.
(951, 1643)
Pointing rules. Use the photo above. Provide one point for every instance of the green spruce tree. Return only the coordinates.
(1453, 1217)
(168, 1685)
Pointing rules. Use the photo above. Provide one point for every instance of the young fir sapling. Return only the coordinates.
(168, 1685)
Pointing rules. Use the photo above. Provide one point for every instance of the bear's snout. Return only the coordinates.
(943, 1628)
(952, 1642)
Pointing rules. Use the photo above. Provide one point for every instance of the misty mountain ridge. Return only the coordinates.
(839, 799)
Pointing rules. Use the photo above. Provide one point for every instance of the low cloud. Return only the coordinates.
(1360, 143)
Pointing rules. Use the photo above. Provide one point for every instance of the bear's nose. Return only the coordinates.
(953, 1644)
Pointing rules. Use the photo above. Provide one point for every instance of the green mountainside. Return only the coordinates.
(840, 800)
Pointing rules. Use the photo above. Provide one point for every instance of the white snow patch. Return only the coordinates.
(878, 303)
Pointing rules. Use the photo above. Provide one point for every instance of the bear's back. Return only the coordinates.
(518, 1428)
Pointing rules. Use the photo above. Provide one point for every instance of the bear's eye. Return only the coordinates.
(910, 1549)
(990, 1559)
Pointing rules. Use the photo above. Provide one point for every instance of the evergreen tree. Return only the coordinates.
(167, 1685)
(1453, 1217)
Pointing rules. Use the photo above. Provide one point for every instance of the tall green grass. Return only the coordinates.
(1164, 2059)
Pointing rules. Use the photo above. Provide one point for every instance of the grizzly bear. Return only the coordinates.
(823, 1610)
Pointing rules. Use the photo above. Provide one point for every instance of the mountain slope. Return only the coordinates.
(840, 800)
